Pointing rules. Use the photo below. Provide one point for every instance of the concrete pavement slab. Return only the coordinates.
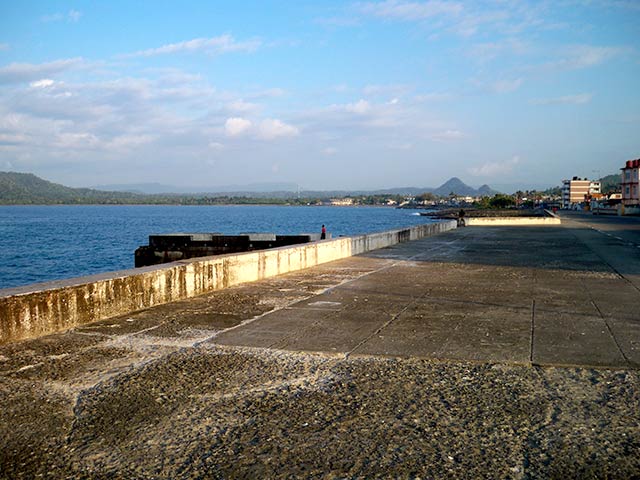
(270, 329)
(490, 291)
(339, 332)
(347, 299)
(627, 335)
(572, 339)
(455, 330)
(614, 296)
(562, 292)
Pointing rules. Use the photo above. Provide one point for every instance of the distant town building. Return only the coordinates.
(341, 202)
(629, 181)
(578, 190)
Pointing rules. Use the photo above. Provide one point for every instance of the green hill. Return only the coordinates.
(28, 189)
(610, 183)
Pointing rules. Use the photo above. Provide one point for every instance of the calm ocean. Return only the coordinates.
(42, 243)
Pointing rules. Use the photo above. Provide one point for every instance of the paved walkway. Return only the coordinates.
(549, 296)
(442, 358)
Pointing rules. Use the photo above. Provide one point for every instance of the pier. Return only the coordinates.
(502, 351)
(168, 248)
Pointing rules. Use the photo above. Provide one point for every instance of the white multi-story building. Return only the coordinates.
(577, 191)
(630, 183)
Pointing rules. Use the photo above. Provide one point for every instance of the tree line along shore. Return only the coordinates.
(28, 189)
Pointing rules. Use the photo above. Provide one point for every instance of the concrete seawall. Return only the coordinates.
(40, 309)
(511, 221)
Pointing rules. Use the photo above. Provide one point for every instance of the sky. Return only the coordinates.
(324, 95)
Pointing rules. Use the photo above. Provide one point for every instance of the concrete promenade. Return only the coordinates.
(485, 352)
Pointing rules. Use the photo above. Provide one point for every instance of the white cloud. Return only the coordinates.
(577, 57)
(25, 72)
(360, 107)
(584, 56)
(72, 16)
(240, 106)
(384, 123)
(330, 151)
(216, 146)
(214, 45)
(385, 90)
(506, 86)
(53, 17)
(268, 93)
(4, 47)
(44, 83)
(471, 22)
(433, 97)
(129, 141)
(495, 168)
(404, 10)
(622, 4)
(467, 18)
(401, 146)
(236, 126)
(579, 99)
(13, 139)
(448, 135)
(485, 52)
(77, 141)
(499, 86)
(271, 128)
(338, 21)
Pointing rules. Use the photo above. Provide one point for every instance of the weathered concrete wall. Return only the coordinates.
(40, 309)
(511, 221)
(628, 210)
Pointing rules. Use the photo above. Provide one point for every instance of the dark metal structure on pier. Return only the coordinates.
(178, 246)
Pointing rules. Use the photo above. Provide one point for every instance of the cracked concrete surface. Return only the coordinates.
(484, 352)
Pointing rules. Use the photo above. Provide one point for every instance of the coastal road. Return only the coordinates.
(485, 352)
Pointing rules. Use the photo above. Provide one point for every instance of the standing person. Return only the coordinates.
(461, 222)
(323, 235)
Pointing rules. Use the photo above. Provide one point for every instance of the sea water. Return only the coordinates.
(42, 243)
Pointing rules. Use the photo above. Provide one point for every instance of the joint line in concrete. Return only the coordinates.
(288, 306)
(384, 325)
(615, 340)
(605, 262)
(333, 313)
(533, 318)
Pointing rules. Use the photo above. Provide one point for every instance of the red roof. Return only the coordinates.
(632, 164)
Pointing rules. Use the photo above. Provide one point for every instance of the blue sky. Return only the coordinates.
(327, 95)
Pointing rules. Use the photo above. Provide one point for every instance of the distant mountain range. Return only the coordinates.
(158, 188)
(453, 185)
(457, 186)
(26, 188)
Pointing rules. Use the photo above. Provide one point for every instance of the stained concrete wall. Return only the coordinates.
(40, 309)
(511, 221)
(629, 210)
